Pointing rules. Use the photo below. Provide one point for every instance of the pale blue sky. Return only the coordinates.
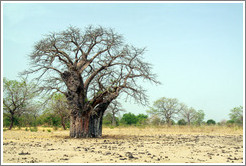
(196, 48)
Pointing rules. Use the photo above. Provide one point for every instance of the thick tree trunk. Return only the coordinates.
(85, 120)
(86, 125)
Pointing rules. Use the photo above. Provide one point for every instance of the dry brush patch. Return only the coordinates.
(205, 144)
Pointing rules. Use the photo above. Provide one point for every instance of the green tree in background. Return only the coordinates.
(129, 118)
(60, 107)
(114, 108)
(199, 117)
(17, 98)
(236, 115)
(142, 119)
(167, 109)
(188, 114)
(108, 119)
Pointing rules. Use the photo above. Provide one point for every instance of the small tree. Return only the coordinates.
(198, 120)
(59, 106)
(17, 97)
(107, 119)
(114, 108)
(189, 114)
(166, 108)
(237, 115)
(211, 122)
(156, 120)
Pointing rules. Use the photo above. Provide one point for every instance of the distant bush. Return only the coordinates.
(211, 122)
(172, 122)
(182, 122)
(49, 130)
(108, 120)
(230, 123)
(222, 123)
(33, 129)
(142, 119)
(6, 120)
(132, 119)
(156, 120)
(129, 118)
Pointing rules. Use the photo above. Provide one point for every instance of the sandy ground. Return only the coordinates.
(125, 145)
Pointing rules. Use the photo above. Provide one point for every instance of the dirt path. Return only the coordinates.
(134, 146)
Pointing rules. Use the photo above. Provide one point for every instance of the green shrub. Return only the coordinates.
(230, 123)
(211, 122)
(182, 122)
(111, 127)
(49, 130)
(129, 119)
(34, 129)
(142, 119)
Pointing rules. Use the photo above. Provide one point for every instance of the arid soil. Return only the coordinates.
(125, 145)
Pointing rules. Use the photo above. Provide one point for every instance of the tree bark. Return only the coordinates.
(86, 125)
(113, 120)
(85, 120)
(11, 125)
(169, 122)
(189, 122)
(12, 122)
(63, 123)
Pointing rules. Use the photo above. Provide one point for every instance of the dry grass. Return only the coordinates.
(146, 130)
(197, 130)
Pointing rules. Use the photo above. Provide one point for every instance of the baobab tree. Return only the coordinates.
(167, 108)
(91, 68)
(189, 114)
